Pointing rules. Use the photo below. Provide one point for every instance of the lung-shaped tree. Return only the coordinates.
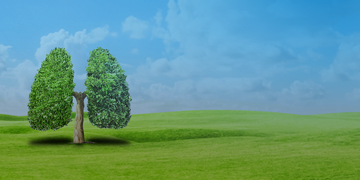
(50, 99)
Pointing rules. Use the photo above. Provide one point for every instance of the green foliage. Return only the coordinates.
(107, 91)
(50, 99)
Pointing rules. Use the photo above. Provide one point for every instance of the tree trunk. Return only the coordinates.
(79, 118)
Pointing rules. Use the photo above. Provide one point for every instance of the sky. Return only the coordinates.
(297, 57)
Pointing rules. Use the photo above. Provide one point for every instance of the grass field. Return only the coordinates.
(210, 144)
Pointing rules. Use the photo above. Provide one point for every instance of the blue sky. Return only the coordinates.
(298, 57)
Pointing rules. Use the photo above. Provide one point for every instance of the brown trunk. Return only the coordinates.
(79, 118)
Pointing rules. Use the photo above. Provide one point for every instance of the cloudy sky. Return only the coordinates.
(298, 57)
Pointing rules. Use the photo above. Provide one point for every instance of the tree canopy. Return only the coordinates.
(107, 91)
(50, 99)
(51, 96)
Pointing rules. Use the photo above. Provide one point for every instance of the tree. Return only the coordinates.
(50, 99)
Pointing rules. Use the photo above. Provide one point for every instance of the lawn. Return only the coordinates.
(209, 144)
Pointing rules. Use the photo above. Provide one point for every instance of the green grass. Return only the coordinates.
(211, 144)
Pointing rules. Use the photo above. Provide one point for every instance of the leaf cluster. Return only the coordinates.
(50, 99)
(107, 91)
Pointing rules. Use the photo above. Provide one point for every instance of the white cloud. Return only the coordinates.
(180, 67)
(135, 27)
(231, 85)
(226, 93)
(219, 89)
(184, 87)
(346, 65)
(214, 39)
(210, 46)
(63, 39)
(3, 56)
(49, 42)
(14, 100)
(97, 34)
(3, 52)
(204, 38)
(159, 91)
(305, 90)
(160, 66)
(158, 18)
(25, 74)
